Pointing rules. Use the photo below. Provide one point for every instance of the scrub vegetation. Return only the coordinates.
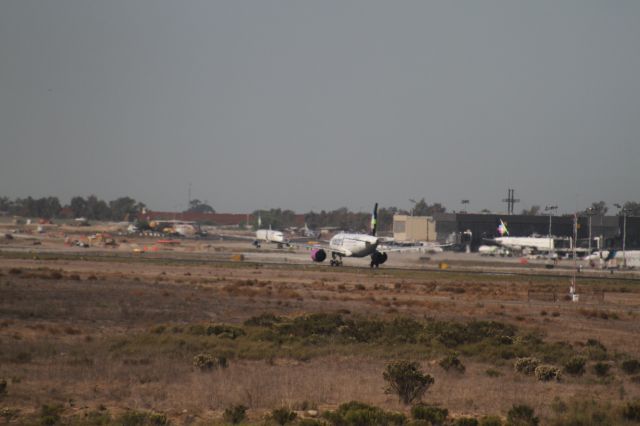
(104, 342)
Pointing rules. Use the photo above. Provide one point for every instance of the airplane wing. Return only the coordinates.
(422, 248)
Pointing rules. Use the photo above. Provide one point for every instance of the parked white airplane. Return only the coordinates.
(524, 245)
(614, 258)
(270, 236)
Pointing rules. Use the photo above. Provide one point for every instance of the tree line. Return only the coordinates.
(91, 207)
(342, 218)
(127, 209)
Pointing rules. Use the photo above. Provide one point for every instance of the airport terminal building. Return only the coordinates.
(454, 227)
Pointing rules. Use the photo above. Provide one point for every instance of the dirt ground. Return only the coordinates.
(75, 330)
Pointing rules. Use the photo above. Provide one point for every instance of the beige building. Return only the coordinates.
(414, 228)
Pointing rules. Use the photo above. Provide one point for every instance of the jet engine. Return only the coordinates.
(318, 255)
(378, 258)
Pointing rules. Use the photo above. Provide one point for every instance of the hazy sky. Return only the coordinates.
(317, 105)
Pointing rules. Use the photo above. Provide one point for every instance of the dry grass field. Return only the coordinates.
(87, 335)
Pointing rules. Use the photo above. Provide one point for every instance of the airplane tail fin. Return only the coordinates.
(374, 220)
(502, 228)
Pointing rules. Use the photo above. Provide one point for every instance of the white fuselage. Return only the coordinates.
(543, 244)
(354, 245)
(632, 257)
(270, 236)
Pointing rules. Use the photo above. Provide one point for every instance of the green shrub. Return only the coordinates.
(224, 331)
(584, 413)
(490, 421)
(493, 372)
(632, 411)
(630, 366)
(206, 361)
(358, 414)
(310, 422)
(9, 413)
(434, 415)
(283, 415)
(50, 414)
(235, 414)
(575, 365)
(526, 365)
(263, 320)
(405, 379)
(321, 324)
(466, 421)
(601, 368)
(452, 334)
(141, 418)
(522, 415)
(596, 351)
(452, 362)
(547, 372)
(97, 418)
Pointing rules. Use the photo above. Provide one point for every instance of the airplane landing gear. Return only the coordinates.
(335, 260)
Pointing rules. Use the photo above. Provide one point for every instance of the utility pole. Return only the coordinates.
(510, 200)
(589, 212)
(624, 233)
(549, 209)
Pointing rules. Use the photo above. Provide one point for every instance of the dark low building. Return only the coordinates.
(485, 226)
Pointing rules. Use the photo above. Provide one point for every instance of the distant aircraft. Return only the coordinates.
(270, 236)
(529, 245)
(353, 245)
(615, 258)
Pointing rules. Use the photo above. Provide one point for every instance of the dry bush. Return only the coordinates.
(526, 365)
(545, 373)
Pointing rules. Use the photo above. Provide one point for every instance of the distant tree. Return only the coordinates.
(385, 218)
(532, 211)
(598, 208)
(48, 207)
(276, 218)
(197, 206)
(125, 208)
(90, 208)
(6, 204)
(631, 208)
(97, 209)
(421, 208)
(78, 206)
(485, 211)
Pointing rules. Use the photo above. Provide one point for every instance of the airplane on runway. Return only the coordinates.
(353, 245)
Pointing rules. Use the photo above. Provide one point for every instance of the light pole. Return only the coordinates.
(624, 233)
(550, 209)
(589, 212)
(463, 202)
